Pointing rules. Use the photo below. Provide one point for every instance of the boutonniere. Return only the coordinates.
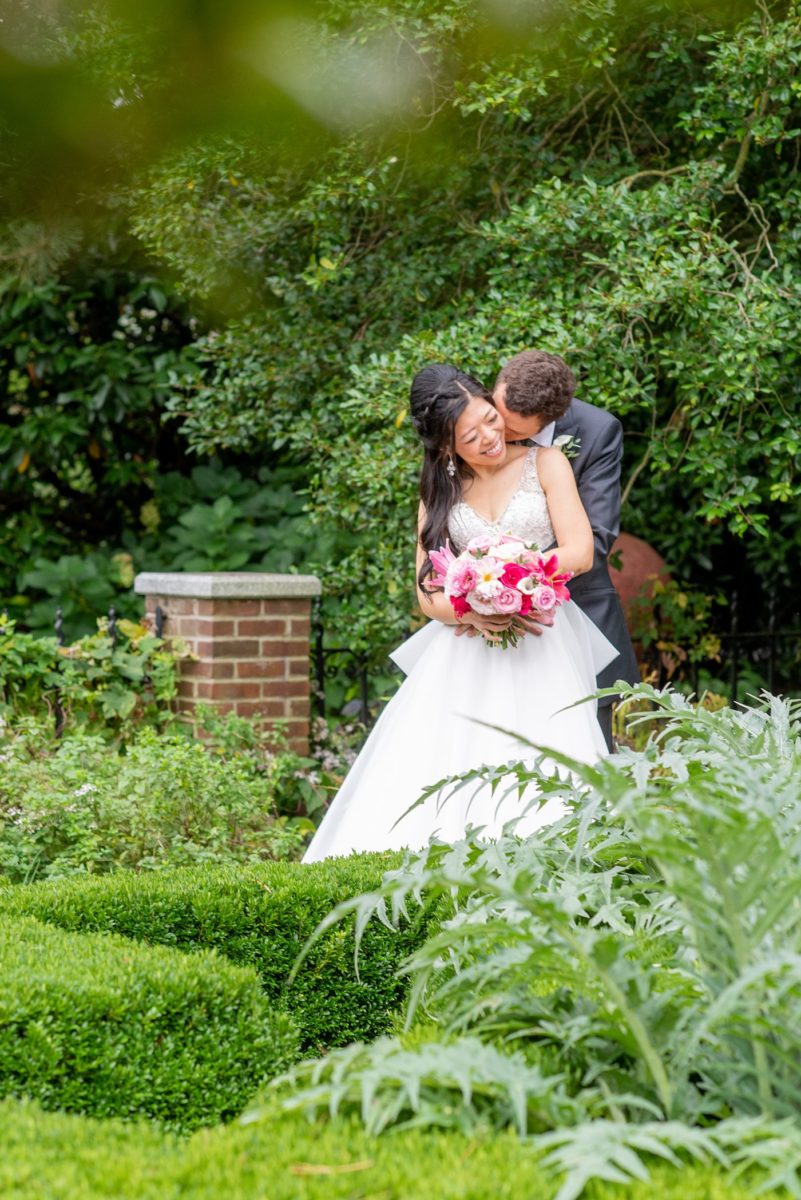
(568, 444)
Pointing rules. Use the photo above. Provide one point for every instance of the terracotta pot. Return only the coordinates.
(639, 563)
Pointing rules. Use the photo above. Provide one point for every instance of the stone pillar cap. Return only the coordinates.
(226, 585)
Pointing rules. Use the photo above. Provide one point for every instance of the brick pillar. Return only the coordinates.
(250, 633)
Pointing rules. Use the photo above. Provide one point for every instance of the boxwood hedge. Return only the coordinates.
(71, 1158)
(257, 916)
(97, 1024)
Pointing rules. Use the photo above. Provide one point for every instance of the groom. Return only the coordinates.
(534, 394)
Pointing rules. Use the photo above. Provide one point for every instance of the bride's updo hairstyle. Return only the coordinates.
(439, 395)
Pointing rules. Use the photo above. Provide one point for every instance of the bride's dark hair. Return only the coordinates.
(439, 395)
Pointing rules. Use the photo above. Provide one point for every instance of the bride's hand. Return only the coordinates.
(489, 626)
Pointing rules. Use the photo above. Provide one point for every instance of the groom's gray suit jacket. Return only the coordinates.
(596, 467)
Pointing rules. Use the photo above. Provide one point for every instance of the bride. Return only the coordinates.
(474, 484)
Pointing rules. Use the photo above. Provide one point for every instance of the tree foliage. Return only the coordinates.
(613, 182)
(617, 189)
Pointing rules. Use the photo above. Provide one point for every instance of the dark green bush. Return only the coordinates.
(99, 1025)
(257, 916)
(71, 1158)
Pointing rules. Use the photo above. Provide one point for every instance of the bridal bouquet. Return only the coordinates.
(500, 575)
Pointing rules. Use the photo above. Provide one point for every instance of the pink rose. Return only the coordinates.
(513, 573)
(544, 598)
(508, 600)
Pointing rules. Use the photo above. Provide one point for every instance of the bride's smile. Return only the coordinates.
(479, 435)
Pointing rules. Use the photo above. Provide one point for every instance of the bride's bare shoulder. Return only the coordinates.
(552, 466)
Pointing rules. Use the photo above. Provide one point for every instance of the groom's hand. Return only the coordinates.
(534, 622)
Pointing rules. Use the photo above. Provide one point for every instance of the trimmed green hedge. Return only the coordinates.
(96, 1024)
(256, 916)
(71, 1158)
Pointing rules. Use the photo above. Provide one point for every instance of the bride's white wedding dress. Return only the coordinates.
(429, 729)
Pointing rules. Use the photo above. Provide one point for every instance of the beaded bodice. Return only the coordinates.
(526, 515)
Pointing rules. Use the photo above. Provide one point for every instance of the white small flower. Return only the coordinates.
(508, 551)
(568, 444)
(85, 789)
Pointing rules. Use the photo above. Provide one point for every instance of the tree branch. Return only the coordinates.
(746, 143)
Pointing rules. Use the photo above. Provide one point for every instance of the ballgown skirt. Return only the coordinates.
(431, 729)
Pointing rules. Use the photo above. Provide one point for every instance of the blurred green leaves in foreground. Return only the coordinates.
(92, 92)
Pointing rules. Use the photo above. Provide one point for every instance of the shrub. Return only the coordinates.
(108, 685)
(73, 1158)
(98, 1025)
(169, 800)
(260, 917)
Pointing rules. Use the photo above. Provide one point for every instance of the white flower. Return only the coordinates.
(488, 570)
(526, 585)
(85, 789)
(568, 444)
(508, 551)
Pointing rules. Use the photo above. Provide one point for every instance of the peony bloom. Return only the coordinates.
(482, 598)
(462, 578)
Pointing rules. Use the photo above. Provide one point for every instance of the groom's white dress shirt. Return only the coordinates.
(545, 435)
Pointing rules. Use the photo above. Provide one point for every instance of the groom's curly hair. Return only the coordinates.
(537, 384)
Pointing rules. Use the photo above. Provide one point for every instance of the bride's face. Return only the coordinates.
(479, 434)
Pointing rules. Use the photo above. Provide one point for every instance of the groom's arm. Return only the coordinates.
(598, 484)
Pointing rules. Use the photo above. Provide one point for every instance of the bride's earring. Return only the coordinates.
(451, 468)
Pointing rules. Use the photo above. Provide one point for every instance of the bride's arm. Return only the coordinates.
(434, 604)
(571, 526)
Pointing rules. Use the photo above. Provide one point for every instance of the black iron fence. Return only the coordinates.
(158, 624)
(769, 658)
(772, 656)
(112, 630)
(332, 662)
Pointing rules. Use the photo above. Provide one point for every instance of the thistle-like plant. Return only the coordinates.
(633, 972)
